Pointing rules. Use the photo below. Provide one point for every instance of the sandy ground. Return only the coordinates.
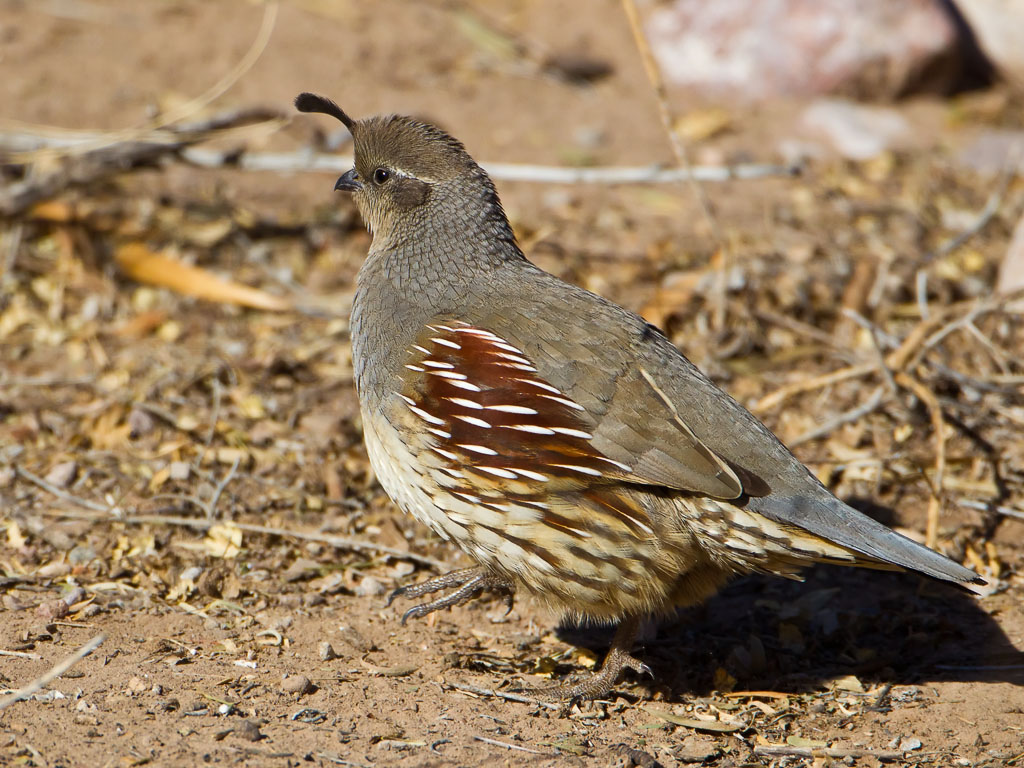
(192, 417)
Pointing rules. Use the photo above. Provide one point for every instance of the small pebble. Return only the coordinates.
(140, 423)
(370, 587)
(179, 470)
(250, 731)
(327, 651)
(299, 685)
(62, 475)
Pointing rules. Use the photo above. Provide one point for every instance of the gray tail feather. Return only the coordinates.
(831, 519)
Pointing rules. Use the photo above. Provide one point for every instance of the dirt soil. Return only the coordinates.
(187, 477)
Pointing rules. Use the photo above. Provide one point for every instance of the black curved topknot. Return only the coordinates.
(310, 102)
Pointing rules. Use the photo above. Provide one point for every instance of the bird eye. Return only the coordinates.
(381, 175)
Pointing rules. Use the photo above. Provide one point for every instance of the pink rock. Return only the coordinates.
(998, 27)
(759, 49)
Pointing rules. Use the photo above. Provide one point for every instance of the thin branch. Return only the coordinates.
(305, 160)
(788, 751)
(779, 396)
(984, 506)
(114, 514)
(506, 745)
(41, 682)
(508, 696)
(339, 542)
(854, 414)
(992, 206)
(679, 150)
(60, 493)
(927, 397)
(211, 505)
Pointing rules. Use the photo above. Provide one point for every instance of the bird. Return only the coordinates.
(560, 440)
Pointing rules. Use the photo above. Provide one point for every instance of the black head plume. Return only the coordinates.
(310, 102)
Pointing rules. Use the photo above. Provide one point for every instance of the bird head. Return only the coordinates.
(409, 176)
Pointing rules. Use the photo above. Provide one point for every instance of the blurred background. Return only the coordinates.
(181, 461)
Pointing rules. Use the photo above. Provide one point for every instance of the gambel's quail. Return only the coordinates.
(560, 440)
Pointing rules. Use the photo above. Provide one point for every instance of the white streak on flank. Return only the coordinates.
(564, 401)
(467, 497)
(427, 417)
(454, 473)
(447, 454)
(619, 464)
(540, 384)
(513, 358)
(568, 432)
(412, 367)
(529, 473)
(446, 342)
(581, 470)
(408, 400)
(533, 429)
(440, 433)
(497, 471)
(465, 403)
(437, 364)
(508, 347)
(562, 527)
(484, 334)
(463, 384)
(424, 350)
(473, 420)
(479, 449)
(440, 327)
(519, 409)
(518, 367)
(451, 375)
(637, 523)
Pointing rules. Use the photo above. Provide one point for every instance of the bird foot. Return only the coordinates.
(598, 684)
(469, 583)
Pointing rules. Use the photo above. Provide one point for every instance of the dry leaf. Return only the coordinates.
(142, 264)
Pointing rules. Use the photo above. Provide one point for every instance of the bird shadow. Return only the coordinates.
(765, 633)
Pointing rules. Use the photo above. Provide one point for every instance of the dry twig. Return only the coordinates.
(508, 696)
(59, 669)
(818, 752)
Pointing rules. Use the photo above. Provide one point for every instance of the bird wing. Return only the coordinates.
(652, 410)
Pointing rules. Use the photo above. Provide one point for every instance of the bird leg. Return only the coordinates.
(599, 683)
(470, 582)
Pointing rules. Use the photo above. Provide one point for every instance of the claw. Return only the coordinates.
(412, 613)
(597, 684)
(469, 582)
